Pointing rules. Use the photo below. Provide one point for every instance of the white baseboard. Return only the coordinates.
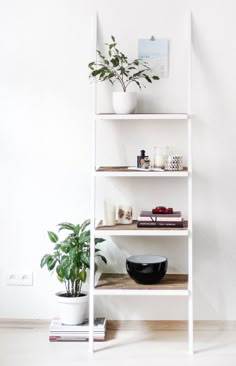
(131, 324)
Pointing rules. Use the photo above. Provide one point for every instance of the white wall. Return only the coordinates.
(45, 111)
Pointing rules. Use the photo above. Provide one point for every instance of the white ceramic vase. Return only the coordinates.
(124, 102)
(72, 309)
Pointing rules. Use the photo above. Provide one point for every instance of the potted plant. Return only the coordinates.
(116, 67)
(70, 261)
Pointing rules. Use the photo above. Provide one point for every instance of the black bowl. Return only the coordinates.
(146, 269)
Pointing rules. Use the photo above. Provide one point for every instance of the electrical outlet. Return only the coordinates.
(19, 279)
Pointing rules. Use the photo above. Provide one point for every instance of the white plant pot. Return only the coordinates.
(72, 309)
(124, 102)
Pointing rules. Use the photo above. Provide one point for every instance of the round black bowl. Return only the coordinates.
(146, 269)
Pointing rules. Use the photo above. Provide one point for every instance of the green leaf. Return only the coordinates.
(77, 229)
(85, 259)
(99, 240)
(44, 260)
(84, 237)
(60, 272)
(85, 224)
(73, 254)
(102, 258)
(51, 262)
(155, 77)
(75, 272)
(53, 237)
(137, 84)
(65, 248)
(148, 78)
(66, 226)
(115, 61)
(90, 65)
(82, 276)
(113, 39)
(67, 272)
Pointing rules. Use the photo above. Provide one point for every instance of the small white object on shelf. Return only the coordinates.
(109, 213)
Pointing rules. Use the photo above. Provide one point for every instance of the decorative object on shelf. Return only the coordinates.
(146, 269)
(143, 161)
(159, 157)
(161, 217)
(109, 214)
(174, 162)
(116, 67)
(162, 210)
(124, 102)
(125, 214)
(156, 51)
(70, 260)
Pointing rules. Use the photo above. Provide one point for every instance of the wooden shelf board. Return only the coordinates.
(123, 171)
(141, 116)
(122, 284)
(133, 230)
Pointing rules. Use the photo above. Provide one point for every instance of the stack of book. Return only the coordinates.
(59, 332)
(160, 220)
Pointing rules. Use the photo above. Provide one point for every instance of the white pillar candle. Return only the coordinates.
(159, 158)
(109, 214)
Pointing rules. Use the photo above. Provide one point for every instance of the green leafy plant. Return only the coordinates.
(116, 67)
(70, 257)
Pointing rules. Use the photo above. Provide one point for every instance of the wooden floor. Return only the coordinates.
(29, 346)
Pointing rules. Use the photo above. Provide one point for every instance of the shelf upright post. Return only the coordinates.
(190, 208)
(92, 201)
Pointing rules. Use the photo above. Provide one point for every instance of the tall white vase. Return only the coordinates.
(124, 102)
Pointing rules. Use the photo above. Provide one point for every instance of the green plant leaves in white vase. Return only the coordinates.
(69, 260)
(117, 68)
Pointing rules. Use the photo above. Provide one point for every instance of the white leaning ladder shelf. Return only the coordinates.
(95, 174)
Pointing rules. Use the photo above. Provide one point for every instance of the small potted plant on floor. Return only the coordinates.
(116, 67)
(70, 261)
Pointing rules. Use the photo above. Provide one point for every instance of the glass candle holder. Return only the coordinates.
(159, 157)
(174, 162)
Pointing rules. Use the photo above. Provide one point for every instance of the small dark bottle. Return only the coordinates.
(141, 159)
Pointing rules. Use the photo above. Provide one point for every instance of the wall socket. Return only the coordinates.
(19, 279)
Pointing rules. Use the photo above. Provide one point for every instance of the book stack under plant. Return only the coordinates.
(149, 219)
(59, 332)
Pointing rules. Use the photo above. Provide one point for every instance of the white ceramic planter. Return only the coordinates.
(72, 309)
(124, 102)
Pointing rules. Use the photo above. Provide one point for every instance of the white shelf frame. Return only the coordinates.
(121, 292)
(175, 232)
(145, 116)
(188, 232)
(130, 174)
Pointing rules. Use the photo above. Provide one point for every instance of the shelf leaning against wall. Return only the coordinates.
(122, 284)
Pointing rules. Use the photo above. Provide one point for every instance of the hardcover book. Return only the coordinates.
(157, 218)
(150, 214)
(56, 325)
(162, 224)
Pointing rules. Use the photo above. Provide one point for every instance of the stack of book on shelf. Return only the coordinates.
(160, 220)
(59, 332)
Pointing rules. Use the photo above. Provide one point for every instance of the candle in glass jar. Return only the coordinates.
(159, 157)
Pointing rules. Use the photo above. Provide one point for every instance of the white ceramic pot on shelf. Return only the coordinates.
(72, 309)
(124, 102)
